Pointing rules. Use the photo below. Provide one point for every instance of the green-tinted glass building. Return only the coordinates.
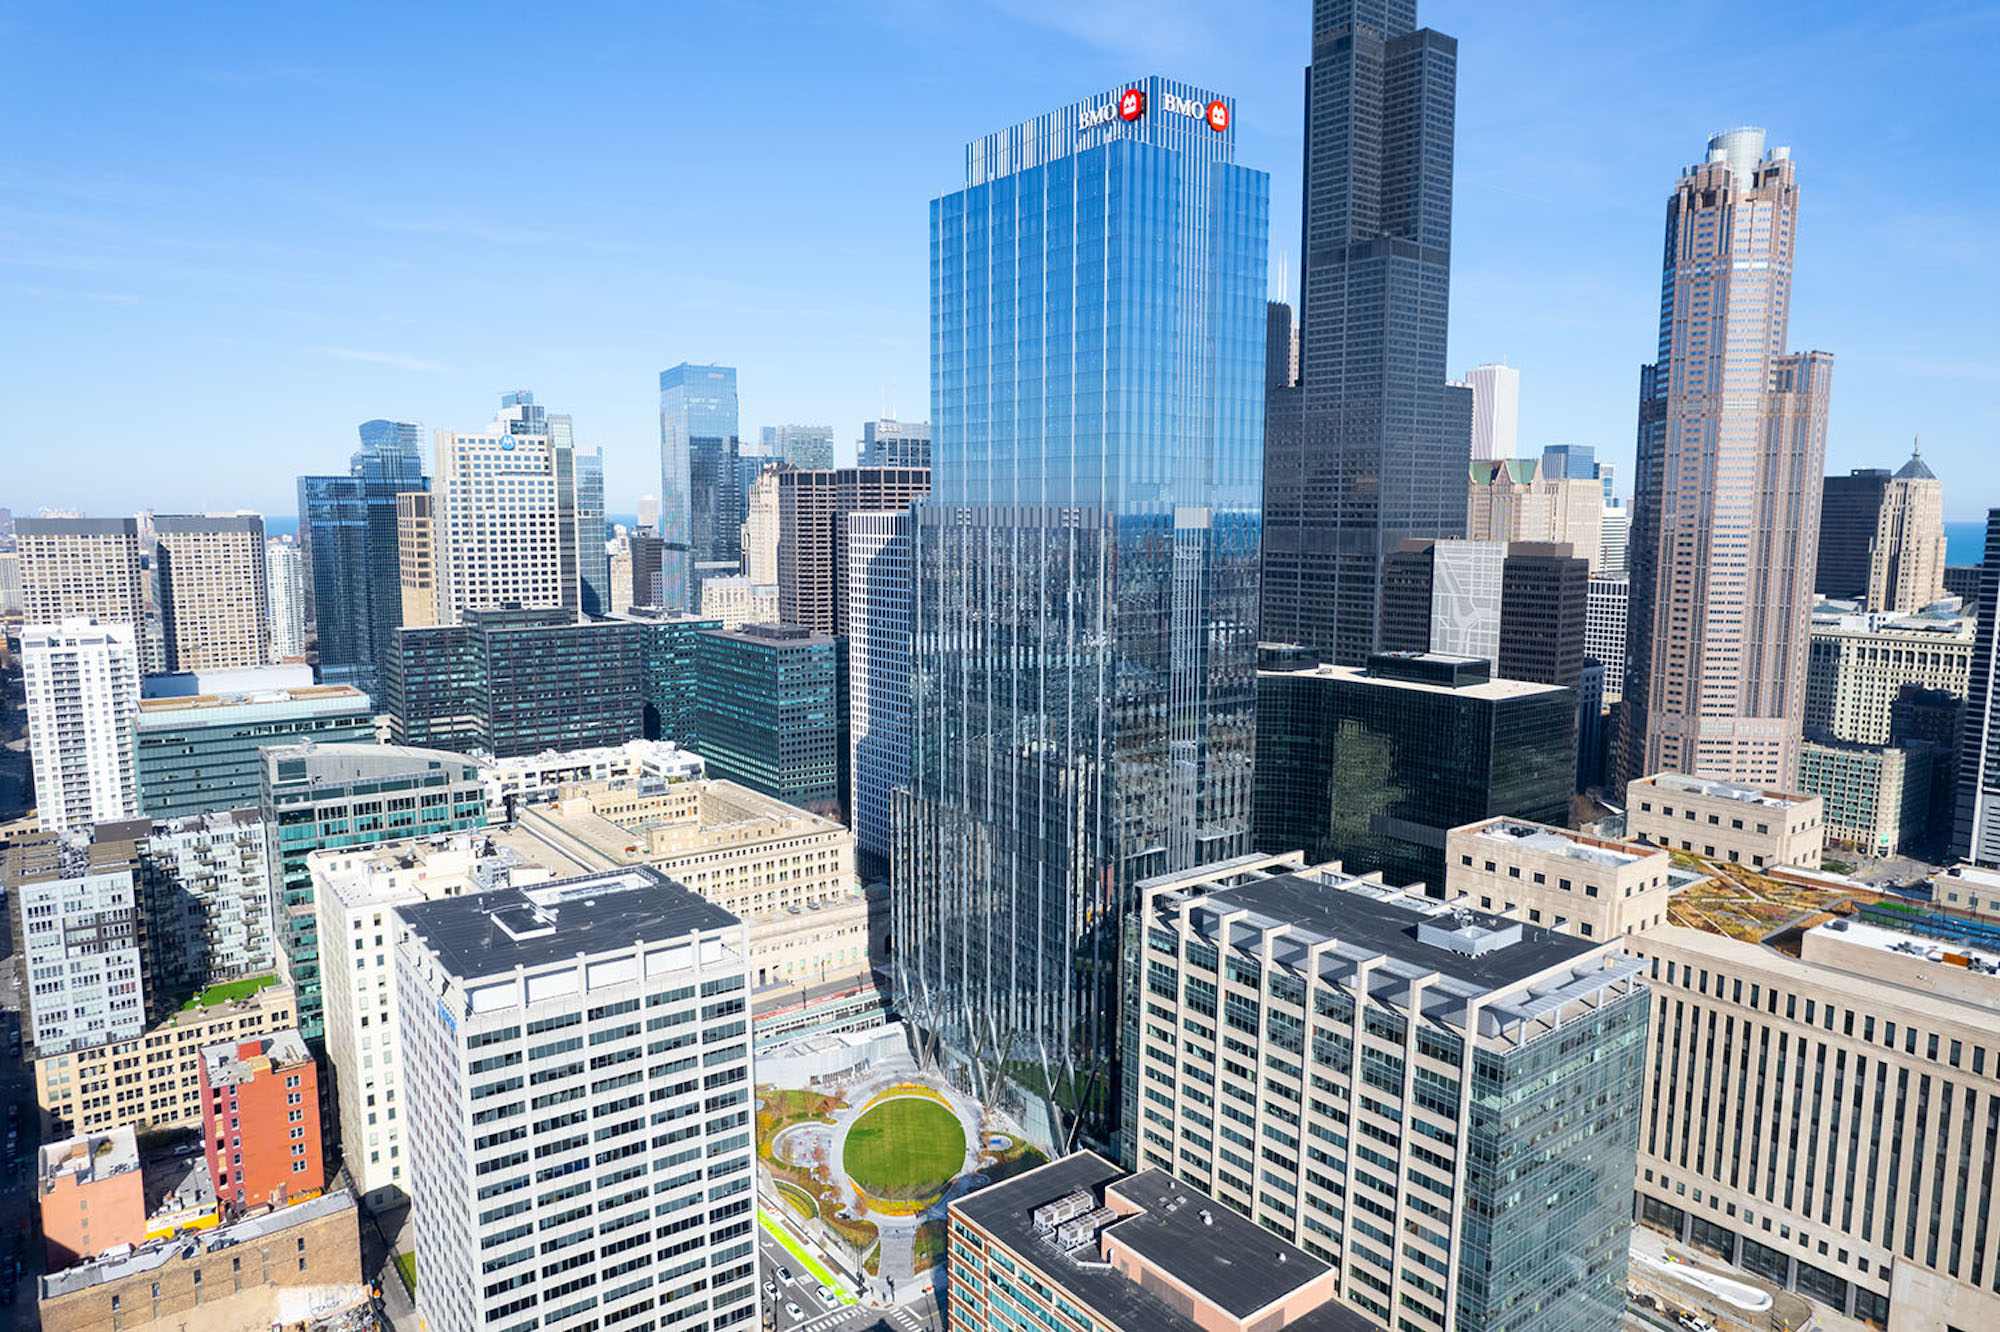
(1372, 767)
(769, 700)
(197, 753)
(668, 651)
(313, 797)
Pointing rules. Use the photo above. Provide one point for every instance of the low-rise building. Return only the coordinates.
(1972, 889)
(153, 1081)
(260, 1120)
(1877, 797)
(1569, 881)
(788, 873)
(510, 781)
(1821, 1114)
(1396, 1084)
(1080, 1244)
(294, 1267)
(92, 1195)
(735, 602)
(355, 894)
(1725, 821)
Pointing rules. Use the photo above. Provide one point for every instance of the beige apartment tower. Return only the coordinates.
(416, 558)
(1725, 510)
(1881, 537)
(73, 568)
(214, 596)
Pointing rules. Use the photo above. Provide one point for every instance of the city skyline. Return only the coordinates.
(313, 313)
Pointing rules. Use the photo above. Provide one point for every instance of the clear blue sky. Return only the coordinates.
(229, 234)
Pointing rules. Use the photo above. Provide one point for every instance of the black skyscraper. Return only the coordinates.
(1371, 446)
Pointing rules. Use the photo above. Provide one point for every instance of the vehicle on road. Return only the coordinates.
(771, 1289)
(792, 1308)
(785, 1275)
(827, 1297)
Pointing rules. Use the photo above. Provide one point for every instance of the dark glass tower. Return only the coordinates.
(347, 528)
(1085, 599)
(1371, 446)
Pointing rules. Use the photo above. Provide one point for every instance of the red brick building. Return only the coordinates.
(260, 1120)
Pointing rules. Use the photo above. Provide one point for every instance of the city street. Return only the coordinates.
(813, 1315)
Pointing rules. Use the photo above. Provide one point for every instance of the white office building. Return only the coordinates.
(576, 1071)
(1604, 630)
(82, 681)
(878, 674)
(505, 513)
(1496, 410)
(285, 580)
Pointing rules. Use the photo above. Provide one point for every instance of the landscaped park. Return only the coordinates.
(870, 1167)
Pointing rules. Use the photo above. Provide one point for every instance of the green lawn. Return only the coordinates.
(236, 989)
(906, 1148)
(406, 1263)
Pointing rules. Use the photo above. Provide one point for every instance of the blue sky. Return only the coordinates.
(229, 234)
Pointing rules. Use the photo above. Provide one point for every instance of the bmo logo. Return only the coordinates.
(1131, 106)
(1214, 114)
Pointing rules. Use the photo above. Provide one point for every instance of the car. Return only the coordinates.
(827, 1297)
(785, 1275)
(771, 1289)
(792, 1308)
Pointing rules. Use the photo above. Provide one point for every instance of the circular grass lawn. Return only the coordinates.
(905, 1149)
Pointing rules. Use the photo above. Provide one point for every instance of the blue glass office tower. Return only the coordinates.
(1370, 447)
(1085, 580)
(347, 528)
(701, 494)
(593, 554)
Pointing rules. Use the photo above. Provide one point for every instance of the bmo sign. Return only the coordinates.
(1131, 105)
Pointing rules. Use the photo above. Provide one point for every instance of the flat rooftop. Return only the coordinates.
(1223, 1257)
(152, 1257)
(1721, 790)
(1362, 917)
(1570, 845)
(227, 1064)
(387, 873)
(313, 765)
(323, 696)
(1496, 688)
(493, 933)
(89, 1157)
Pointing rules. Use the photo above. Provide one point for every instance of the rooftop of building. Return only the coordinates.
(1716, 789)
(123, 1262)
(311, 765)
(711, 809)
(1944, 619)
(317, 697)
(1059, 1216)
(662, 755)
(1398, 938)
(225, 1065)
(235, 680)
(31, 854)
(1552, 841)
(775, 635)
(493, 933)
(444, 865)
(76, 527)
(1971, 946)
(1427, 672)
(89, 1157)
(178, 1182)
(242, 521)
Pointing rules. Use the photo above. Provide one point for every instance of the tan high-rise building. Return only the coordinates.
(416, 558)
(760, 530)
(506, 513)
(73, 568)
(1881, 537)
(215, 601)
(1516, 499)
(813, 508)
(1725, 510)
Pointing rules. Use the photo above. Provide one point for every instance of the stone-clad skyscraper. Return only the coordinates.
(1370, 447)
(1085, 580)
(1725, 505)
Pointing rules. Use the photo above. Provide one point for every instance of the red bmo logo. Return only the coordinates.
(1218, 116)
(1132, 105)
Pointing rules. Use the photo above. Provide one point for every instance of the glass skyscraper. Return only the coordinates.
(1370, 447)
(701, 493)
(1085, 576)
(347, 529)
(593, 555)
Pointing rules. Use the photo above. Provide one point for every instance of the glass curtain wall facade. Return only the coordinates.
(1085, 576)
(1370, 447)
(593, 554)
(701, 493)
(347, 530)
